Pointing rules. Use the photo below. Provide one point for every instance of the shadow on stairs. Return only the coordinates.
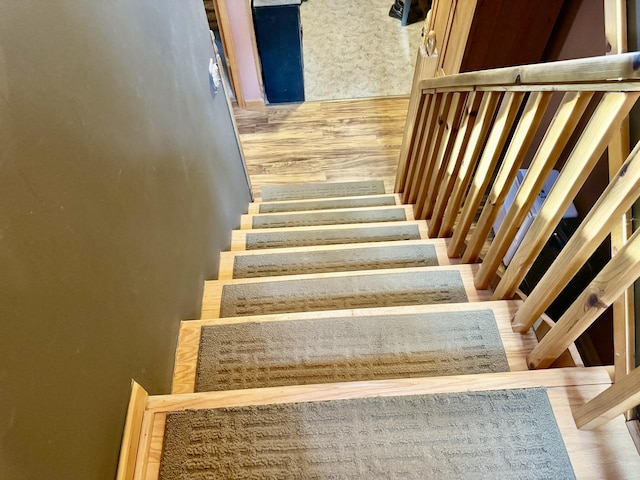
(339, 341)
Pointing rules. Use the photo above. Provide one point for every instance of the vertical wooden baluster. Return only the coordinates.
(606, 119)
(525, 131)
(425, 145)
(618, 197)
(431, 155)
(621, 271)
(414, 147)
(468, 164)
(562, 126)
(490, 156)
(624, 336)
(452, 125)
(455, 162)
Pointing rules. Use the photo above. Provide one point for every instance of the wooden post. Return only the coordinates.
(615, 21)
(131, 435)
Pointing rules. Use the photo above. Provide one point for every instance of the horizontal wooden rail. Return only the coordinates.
(613, 68)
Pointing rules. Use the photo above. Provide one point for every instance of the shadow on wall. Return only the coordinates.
(120, 180)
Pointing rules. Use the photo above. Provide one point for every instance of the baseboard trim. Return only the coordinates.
(132, 429)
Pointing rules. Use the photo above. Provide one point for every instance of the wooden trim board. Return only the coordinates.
(132, 430)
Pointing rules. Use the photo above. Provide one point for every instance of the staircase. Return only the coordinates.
(356, 333)
(381, 316)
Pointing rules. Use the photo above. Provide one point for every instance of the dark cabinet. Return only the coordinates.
(279, 40)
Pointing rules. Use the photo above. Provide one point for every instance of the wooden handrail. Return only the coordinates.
(613, 68)
(470, 135)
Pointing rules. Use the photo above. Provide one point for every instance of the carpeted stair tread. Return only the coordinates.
(489, 434)
(342, 291)
(331, 217)
(328, 204)
(346, 349)
(331, 236)
(335, 260)
(322, 190)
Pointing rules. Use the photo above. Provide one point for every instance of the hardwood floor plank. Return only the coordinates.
(323, 141)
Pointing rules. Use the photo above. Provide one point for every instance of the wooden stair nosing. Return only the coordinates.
(212, 295)
(516, 345)
(225, 271)
(239, 237)
(254, 207)
(246, 221)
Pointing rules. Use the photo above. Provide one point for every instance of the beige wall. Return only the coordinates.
(120, 180)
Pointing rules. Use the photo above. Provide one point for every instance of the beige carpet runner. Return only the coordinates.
(321, 190)
(481, 435)
(268, 354)
(328, 203)
(308, 219)
(345, 260)
(307, 238)
(337, 293)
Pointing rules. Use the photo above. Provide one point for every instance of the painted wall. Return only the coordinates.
(120, 180)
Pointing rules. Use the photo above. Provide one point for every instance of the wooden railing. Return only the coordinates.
(470, 135)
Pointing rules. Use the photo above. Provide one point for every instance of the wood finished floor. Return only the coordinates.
(323, 141)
